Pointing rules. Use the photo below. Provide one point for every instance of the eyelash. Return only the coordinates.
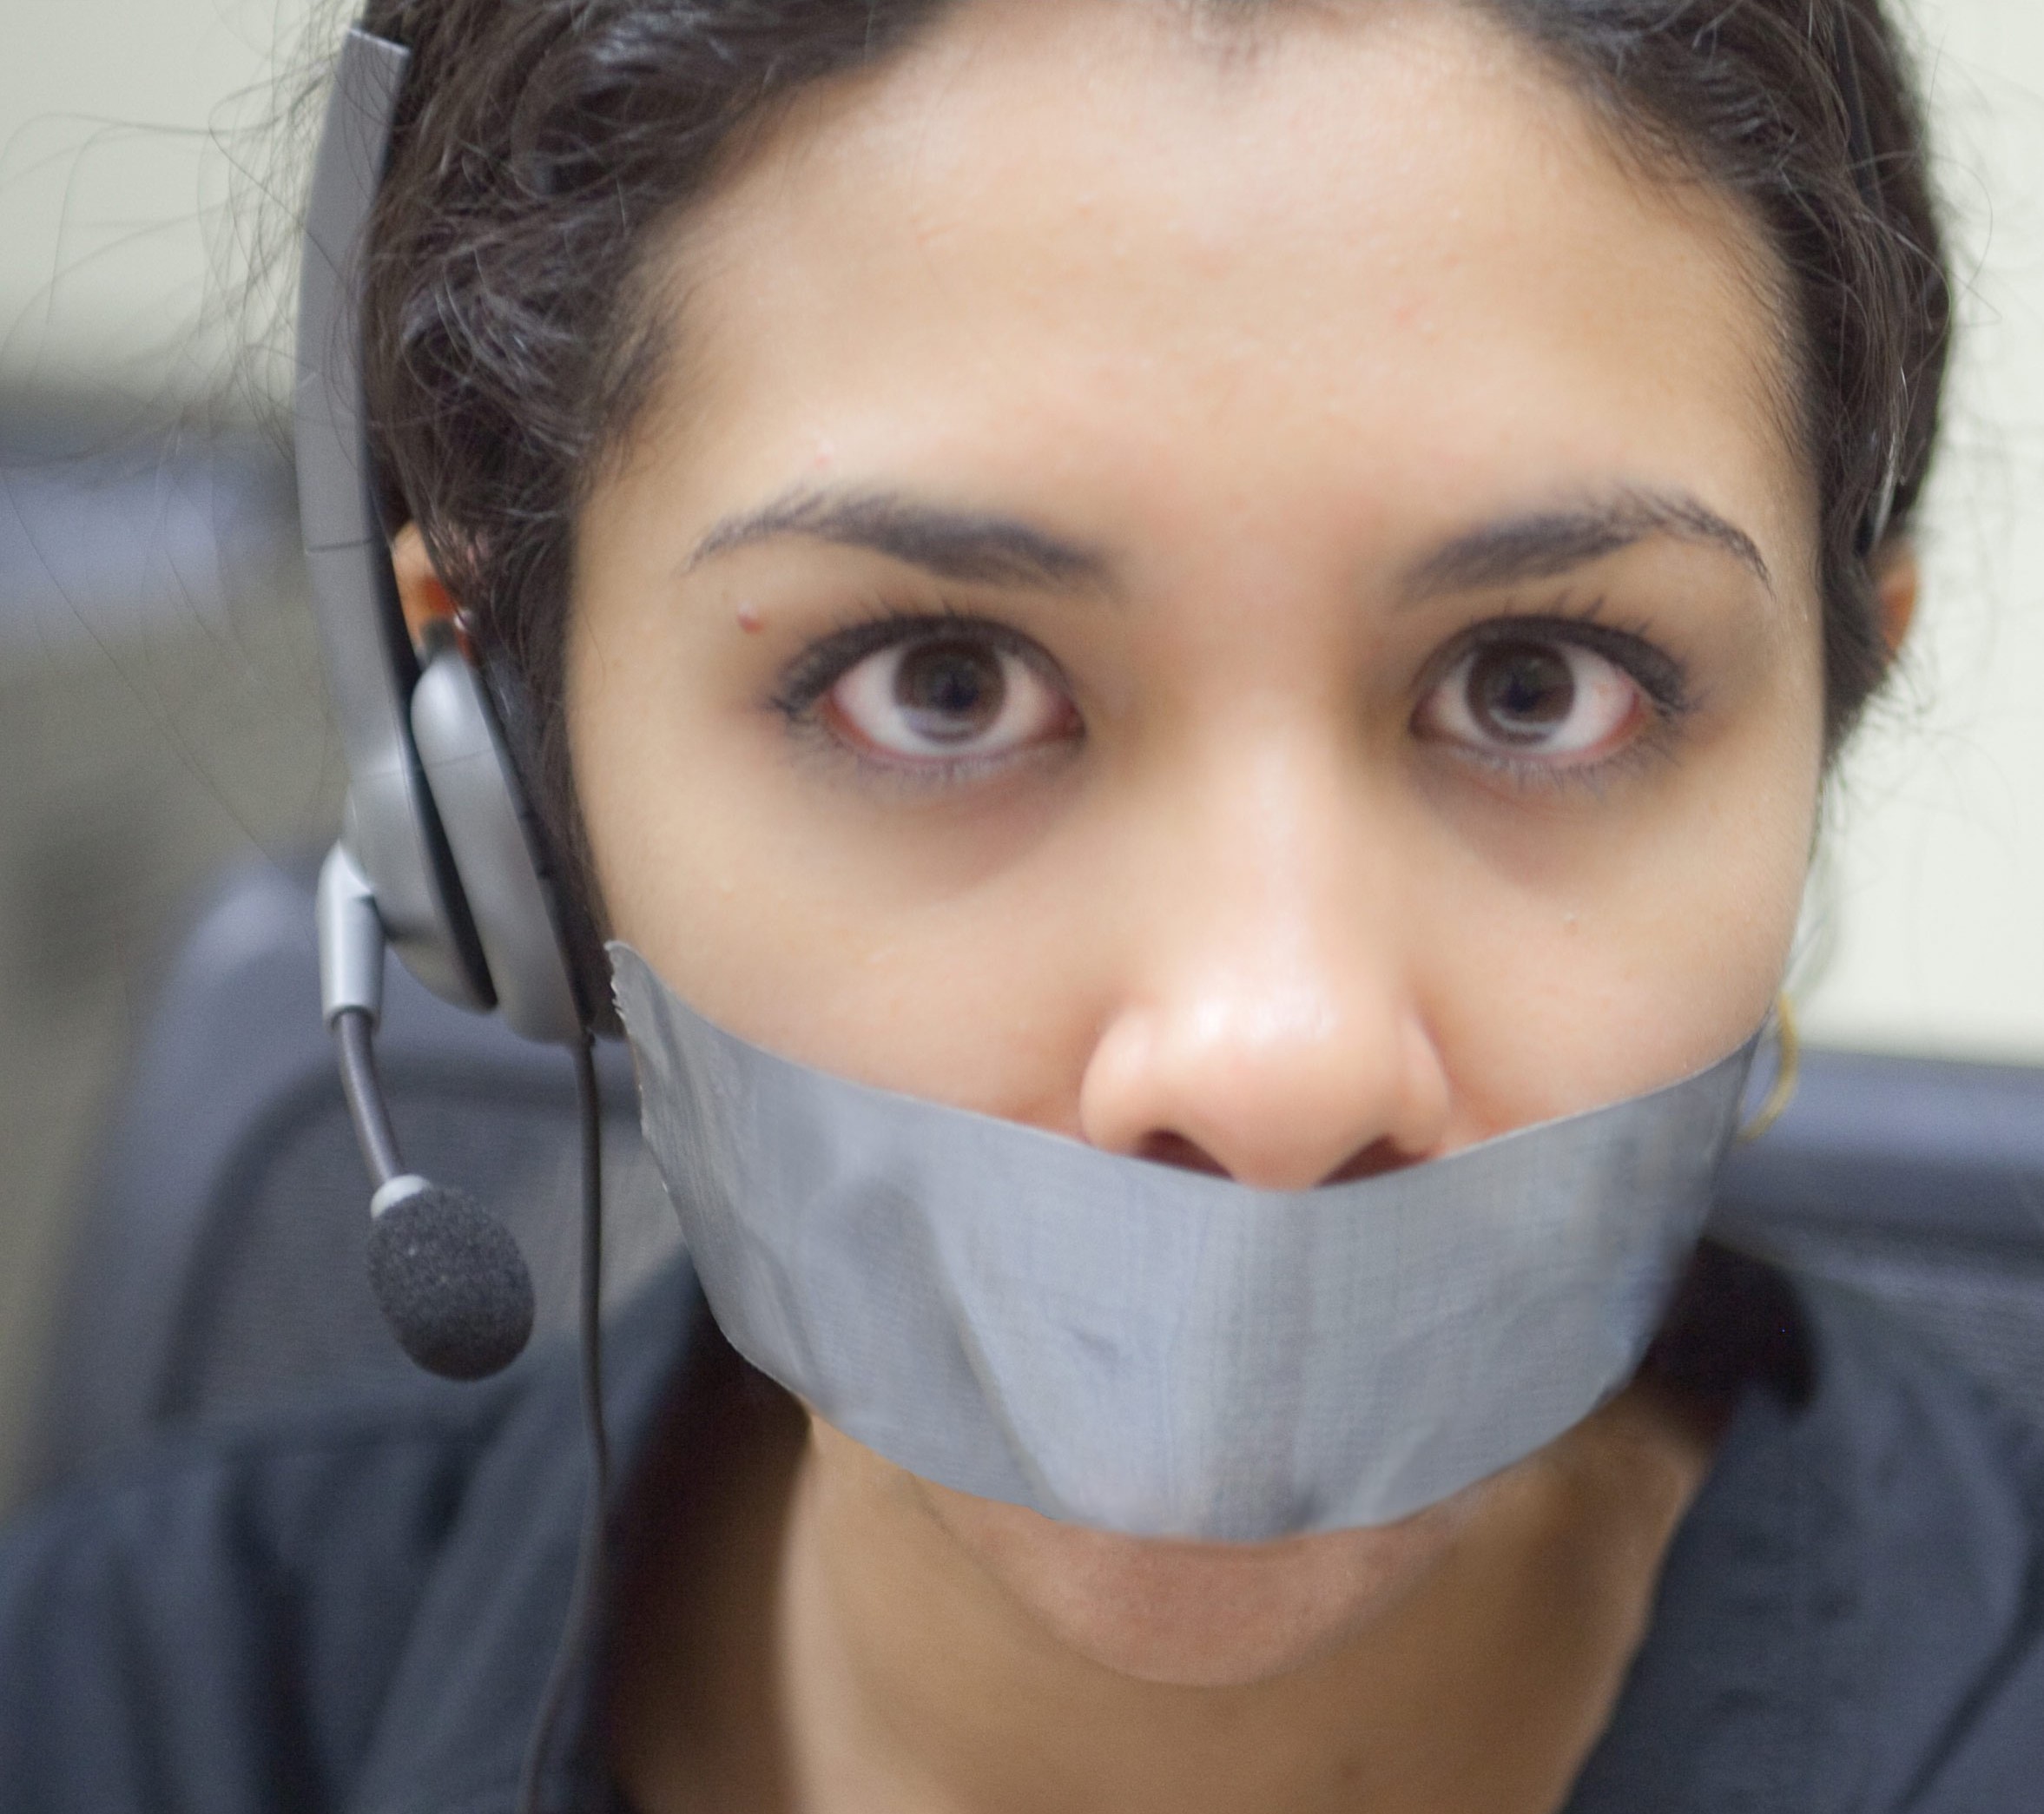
(1662, 678)
(825, 662)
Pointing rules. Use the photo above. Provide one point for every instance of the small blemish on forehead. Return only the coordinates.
(749, 619)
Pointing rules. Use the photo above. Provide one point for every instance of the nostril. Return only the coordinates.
(1378, 1158)
(1177, 1150)
(1168, 1149)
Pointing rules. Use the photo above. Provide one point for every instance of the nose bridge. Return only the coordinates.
(1272, 891)
(1269, 1016)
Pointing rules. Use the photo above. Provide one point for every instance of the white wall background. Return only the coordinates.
(125, 126)
(123, 122)
(1933, 908)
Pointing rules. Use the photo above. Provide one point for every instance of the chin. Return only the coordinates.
(1198, 1615)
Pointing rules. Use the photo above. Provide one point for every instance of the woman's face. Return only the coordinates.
(1241, 592)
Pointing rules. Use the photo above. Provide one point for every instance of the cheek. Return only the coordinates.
(858, 934)
(698, 872)
(1563, 973)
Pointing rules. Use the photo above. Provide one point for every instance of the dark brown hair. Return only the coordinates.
(541, 144)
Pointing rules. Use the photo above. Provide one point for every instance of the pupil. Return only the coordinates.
(949, 692)
(1520, 691)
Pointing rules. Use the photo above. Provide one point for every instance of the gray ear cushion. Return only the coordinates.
(476, 791)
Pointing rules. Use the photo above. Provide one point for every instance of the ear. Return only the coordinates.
(425, 601)
(1897, 583)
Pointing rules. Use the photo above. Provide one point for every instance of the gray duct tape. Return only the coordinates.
(1155, 1351)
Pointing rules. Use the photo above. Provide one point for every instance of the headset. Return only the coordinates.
(441, 857)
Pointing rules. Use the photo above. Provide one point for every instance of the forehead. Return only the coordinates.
(1378, 253)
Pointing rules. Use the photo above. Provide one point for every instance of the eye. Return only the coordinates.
(946, 699)
(1537, 699)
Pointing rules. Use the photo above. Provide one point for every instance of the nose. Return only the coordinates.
(1268, 1025)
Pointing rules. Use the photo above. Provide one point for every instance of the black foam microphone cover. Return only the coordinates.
(451, 1282)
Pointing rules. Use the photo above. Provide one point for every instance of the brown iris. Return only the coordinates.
(950, 691)
(1521, 692)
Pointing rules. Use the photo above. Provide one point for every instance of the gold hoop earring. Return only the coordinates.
(1788, 1070)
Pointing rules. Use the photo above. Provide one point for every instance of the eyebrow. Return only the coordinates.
(970, 547)
(1545, 544)
(982, 548)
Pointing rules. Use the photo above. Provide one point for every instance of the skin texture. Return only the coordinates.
(1258, 322)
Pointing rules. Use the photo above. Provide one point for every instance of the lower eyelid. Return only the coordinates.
(935, 776)
(1652, 744)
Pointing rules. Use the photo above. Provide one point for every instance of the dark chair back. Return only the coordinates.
(1920, 1182)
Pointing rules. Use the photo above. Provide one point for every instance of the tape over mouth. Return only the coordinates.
(1158, 1352)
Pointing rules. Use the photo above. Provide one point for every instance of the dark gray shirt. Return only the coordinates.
(356, 1607)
